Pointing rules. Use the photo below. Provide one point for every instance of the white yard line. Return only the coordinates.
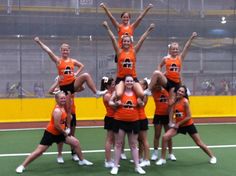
(102, 151)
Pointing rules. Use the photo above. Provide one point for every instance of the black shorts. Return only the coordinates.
(49, 138)
(68, 87)
(170, 84)
(160, 119)
(191, 129)
(73, 120)
(118, 80)
(108, 123)
(143, 125)
(128, 127)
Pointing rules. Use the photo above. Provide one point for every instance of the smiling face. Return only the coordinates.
(181, 92)
(126, 42)
(60, 98)
(65, 50)
(129, 82)
(125, 18)
(174, 49)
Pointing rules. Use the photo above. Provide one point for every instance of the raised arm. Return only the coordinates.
(143, 37)
(79, 65)
(112, 18)
(52, 56)
(140, 17)
(187, 45)
(112, 36)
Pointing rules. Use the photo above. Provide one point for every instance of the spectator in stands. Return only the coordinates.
(181, 122)
(56, 132)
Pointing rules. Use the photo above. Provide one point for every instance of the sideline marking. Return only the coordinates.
(89, 127)
(102, 151)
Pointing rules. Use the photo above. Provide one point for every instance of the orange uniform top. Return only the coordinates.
(128, 111)
(66, 71)
(141, 113)
(124, 30)
(180, 112)
(161, 102)
(110, 111)
(51, 127)
(173, 68)
(126, 64)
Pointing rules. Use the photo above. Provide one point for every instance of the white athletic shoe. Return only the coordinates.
(114, 170)
(140, 170)
(20, 169)
(109, 164)
(172, 157)
(161, 162)
(85, 162)
(147, 92)
(60, 160)
(75, 157)
(123, 156)
(100, 93)
(213, 160)
(145, 163)
(154, 157)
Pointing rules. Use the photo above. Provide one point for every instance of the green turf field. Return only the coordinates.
(191, 161)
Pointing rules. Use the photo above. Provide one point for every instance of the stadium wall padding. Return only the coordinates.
(35, 109)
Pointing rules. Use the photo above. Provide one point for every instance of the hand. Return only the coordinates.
(152, 26)
(105, 24)
(67, 131)
(102, 5)
(150, 5)
(194, 34)
(36, 39)
(171, 125)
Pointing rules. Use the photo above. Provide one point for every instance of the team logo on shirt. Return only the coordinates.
(68, 71)
(163, 99)
(127, 63)
(129, 105)
(178, 114)
(174, 68)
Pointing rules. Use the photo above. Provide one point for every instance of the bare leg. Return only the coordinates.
(120, 89)
(59, 149)
(138, 90)
(109, 144)
(159, 77)
(143, 137)
(119, 138)
(35, 154)
(85, 78)
(133, 141)
(75, 144)
(170, 147)
(200, 143)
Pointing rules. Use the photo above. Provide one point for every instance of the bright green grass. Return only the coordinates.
(190, 162)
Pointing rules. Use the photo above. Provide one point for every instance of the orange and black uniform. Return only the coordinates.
(173, 75)
(124, 30)
(180, 114)
(109, 117)
(143, 121)
(126, 117)
(126, 65)
(161, 115)
(51, 134)
(66, 75)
